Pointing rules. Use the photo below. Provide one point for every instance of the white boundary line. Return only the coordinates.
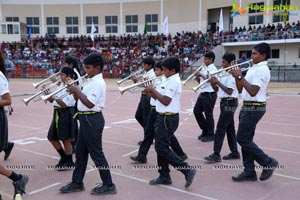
(130, 153)
(44, 188)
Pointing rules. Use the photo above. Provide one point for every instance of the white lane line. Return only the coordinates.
(282, 124)
(41, 154)
(111, 142)
(167, 187)
(130, 153)
(44, 188)
(126, 121)
(284, 135)
(281, 150)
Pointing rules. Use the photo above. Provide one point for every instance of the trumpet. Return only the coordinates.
(223, 72)
(131, 75)
(46, 97)
(193, 74)
(37, 96)
(136, 87)
(36, 85)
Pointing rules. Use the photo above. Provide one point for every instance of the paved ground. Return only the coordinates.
(277, 134)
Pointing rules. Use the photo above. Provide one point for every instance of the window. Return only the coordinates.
(12, 19)
(52, 25)
(280, 16)
(275, 53)
(256, 19)
(52, 21)
(152, 22)
(72, 25)
(33, 22)
(111, 24)
(255, 14)
(248, 53)
(90, 21)
(131, 23)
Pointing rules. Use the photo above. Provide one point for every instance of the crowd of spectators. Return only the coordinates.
(124, 53)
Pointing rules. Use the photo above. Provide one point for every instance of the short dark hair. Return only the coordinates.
(229, 57)
(95, 60)
(149, 61)
(158, 65)
(68, 71)
(263, 48)
(210, 54)
(171, 63)
(73, 60)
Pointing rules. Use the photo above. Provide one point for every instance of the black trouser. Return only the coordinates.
(90, 142)
(226, 125)
(165, 126)
(149, 137)
(248, 119)
(205, 103)
(143, 110)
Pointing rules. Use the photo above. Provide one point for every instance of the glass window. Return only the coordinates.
(275, 53)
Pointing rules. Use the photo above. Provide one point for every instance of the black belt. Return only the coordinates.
(254, 103)
(153, 107)
(228, 99)
(207, 93)
(167, 114)
(86, 113)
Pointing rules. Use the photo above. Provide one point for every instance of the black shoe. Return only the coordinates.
(8, 150)
(138, 159)
(104, 189)
(140, 143)
(244, 177)
(268, 170)
(20, 185)
(207, 138)
(0, 197)
(184, 157)
(189, 177)
(213, 158)
(161, 181)
(72, 187)
(232, 156)
(203, 134)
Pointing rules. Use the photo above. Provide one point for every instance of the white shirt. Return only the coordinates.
(3, 85)
(68, 100)
(207, 86)
(95, 91)
(160, 79)
(259, 75)
(229, 82)
(149, 75)
(172, 88)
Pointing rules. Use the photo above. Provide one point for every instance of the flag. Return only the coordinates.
(29, 32)
(165, 26)
(221, 25)
(145, 28)
(93, 30)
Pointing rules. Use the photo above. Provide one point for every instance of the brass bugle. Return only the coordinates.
(139, 84)
(46, 97)
(222, 72)
(131, 75)
(27, 100)
(193, 74)
(36, 85)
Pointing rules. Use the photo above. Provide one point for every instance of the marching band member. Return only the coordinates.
(228, 94)
(63, 126)
(144, 107)
(168, 107)
(19, 180)
(254, 91)
(206, 101)
(91, 101)
(149, 130)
